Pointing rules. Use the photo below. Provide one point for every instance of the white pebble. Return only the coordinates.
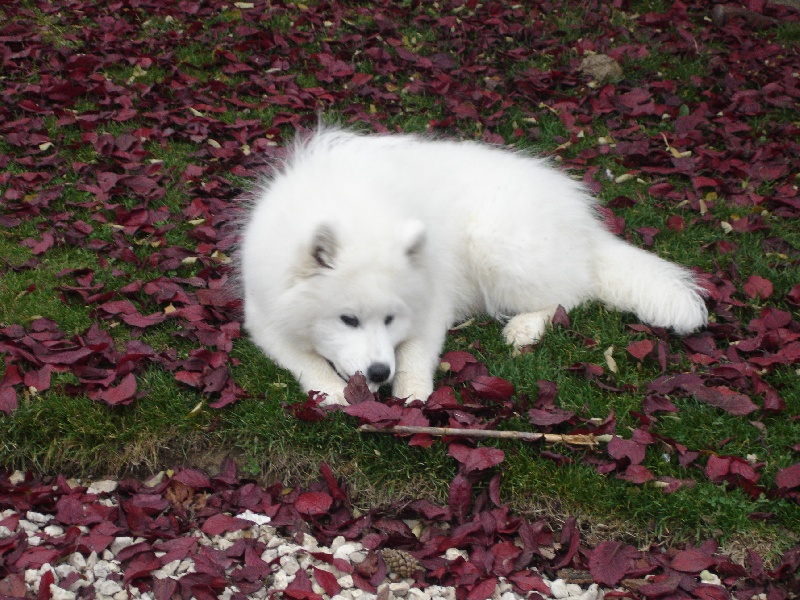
(57, 593)
(345, 550)
(107, 587)
(79, 584)
(337, 541)
(256, 518)
(289, 564)
(593, 593)
(53, 530)
(32, 577)
(559, 589)
(269, 555)
(358, 557)
(16, 477)
(418, 594)
(63, 571)
(231, 535)
(707, 576)
(167, 570)
(441, 592)
(5, 532)
(280, 580)
(221, 543)
(120, 544)
(310, 543)
(28, 527)
(454, 553)
(185, 566)
(399, 588)
(103, 486)
(102, 569)
(573, 589)
(284, 549)
(266, 533)
(345, 582)
(35, 517)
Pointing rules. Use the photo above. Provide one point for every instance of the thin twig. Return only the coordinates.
(550, 438)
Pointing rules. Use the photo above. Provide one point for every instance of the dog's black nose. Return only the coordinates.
(378, 372)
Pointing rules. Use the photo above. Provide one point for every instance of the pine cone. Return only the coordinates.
(400, 562)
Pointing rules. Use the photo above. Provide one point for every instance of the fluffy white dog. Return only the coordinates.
(361, 251)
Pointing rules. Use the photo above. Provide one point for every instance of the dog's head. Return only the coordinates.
(367, 291)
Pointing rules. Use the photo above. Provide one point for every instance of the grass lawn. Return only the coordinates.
(126, 139)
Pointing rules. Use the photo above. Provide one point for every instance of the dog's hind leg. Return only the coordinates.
(528, 328)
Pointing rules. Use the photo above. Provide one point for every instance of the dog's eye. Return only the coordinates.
(349, 320)
(388, 320)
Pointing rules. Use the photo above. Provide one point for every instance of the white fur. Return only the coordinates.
(429, 232)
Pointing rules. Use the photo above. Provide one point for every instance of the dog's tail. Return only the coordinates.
(661, 293)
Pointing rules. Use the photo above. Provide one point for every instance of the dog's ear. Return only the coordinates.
(414, 238)
(323, 248)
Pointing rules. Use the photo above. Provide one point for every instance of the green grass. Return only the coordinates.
(58, 431)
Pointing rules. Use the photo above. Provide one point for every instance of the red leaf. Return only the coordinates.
(192, 478)
(375, 413)
(691, 561)
(492, 388)
(724, 398)
(485, 589)
(789, 477)
(758, 287)
(70, 511)
(164, 589)
(39, 380)
(620, 448)
(221, 523)
(43, 246)
(327, 581)
(313, 503)
(457, 360)
(793, 297)
(549, 416)
(637, 474)
(476, 459)
(333, 486)
(13, 586)
(48, 578)
(640, 349)
(357, 391)
(675, 223)
(460, 496)
(121, 394)
(717, 467)
(8, 400)
(610, 561)
(505, 553)
(530, 583)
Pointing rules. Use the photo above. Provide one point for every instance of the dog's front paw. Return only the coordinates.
(412, 389)
(334, 399)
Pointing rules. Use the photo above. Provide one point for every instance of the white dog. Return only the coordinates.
(361, 251)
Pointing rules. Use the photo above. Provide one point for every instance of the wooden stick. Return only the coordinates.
(550, 438)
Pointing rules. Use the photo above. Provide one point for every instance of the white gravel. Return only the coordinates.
(103, 572)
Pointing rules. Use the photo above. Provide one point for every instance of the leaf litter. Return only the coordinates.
(723, 144)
